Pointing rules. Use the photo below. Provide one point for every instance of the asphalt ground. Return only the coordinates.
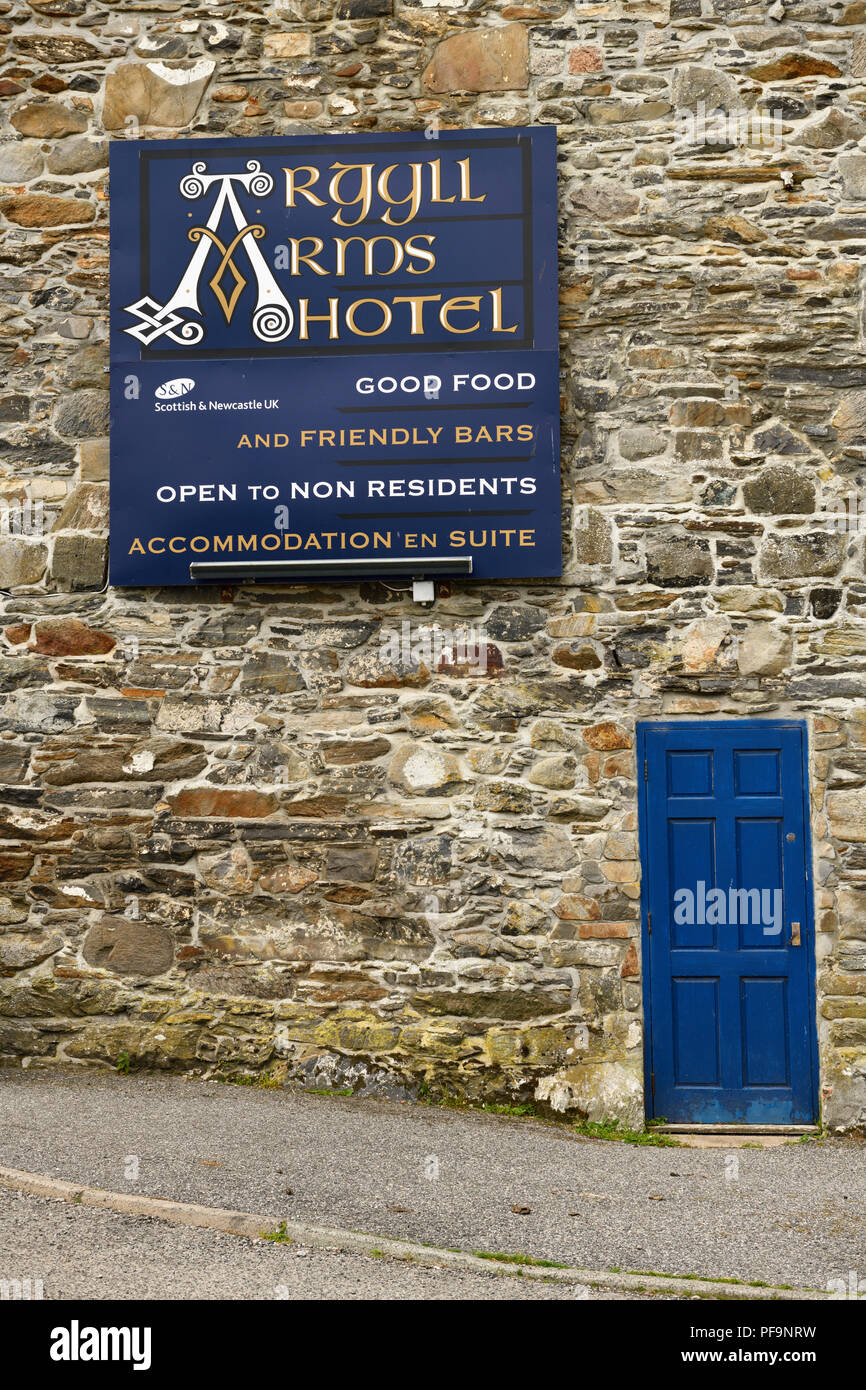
(70, 1252)
(793, 1215)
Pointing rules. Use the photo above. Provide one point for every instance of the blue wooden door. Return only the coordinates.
(728, 932)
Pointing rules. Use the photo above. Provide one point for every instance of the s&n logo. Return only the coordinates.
(172, 390)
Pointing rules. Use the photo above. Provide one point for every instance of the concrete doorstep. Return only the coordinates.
(253, 1226)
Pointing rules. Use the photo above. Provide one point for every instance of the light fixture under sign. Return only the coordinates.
(239, 570)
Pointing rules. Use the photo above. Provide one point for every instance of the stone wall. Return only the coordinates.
(237, 834)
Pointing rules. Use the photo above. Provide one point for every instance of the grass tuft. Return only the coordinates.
(279, 1236)
(610, 1129)
(263, 1080)
(518, 1258)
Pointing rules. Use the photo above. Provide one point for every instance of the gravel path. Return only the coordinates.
(82, 1253)
(793, 1215)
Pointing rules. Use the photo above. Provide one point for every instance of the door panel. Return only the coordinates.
(696, 1032)
(729, 993)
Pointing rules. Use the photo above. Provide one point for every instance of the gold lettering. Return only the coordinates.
(413, 197)
(436, 183)
(363, 197)
(368, 244)
(362, 332)
(292, 188)
(457, 306)
(416, 302)
(306, 318)
(419, 252)
(496, 296)
(465, 192)
(297, 255)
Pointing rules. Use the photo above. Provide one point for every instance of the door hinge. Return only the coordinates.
(649, 922)
(653, 1084)
(646, 770)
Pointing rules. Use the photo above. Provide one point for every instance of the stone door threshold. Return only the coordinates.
(735, 1136)
(737, 1129)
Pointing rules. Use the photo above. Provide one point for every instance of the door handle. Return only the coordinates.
(795, 934)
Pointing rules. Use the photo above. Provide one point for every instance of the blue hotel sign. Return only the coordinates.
(334, 353)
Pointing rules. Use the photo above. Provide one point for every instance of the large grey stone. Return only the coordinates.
(640, 442)
(597, 1091)
(78, 562)
(22, 561)
(793, 557)
(82, 414)
(764, 650)
(20, 161)
(852, 167)
(514, 622)
(679, 561)
(780, 490)
(593, 544)
(849, 417)
(128, 947)
(846, 811)
(94, 460)
(605, 199)
(11, 911)
(20, 950)
(693, 83)
(86, 509)
(419, 770)
(78, 156)
(830, 130)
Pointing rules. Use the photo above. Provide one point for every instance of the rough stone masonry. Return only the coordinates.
(235, 836)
